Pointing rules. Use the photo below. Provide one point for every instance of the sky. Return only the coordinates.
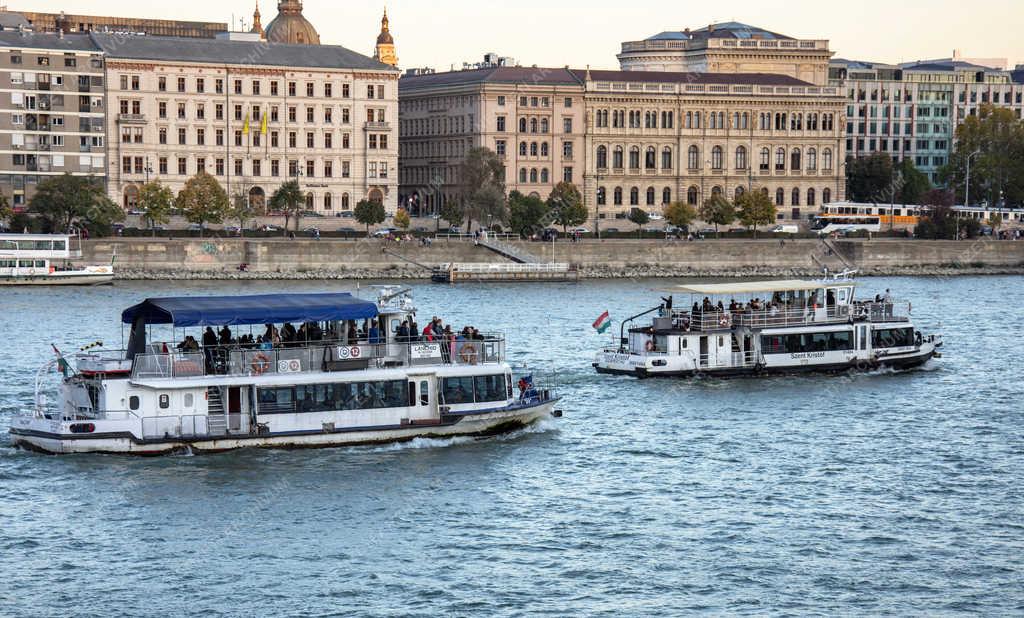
(443, 33)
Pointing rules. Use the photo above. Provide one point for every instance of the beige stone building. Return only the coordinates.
(628, 139)
(53, 106)
(71, 22)
(253, 114)
(729, 47)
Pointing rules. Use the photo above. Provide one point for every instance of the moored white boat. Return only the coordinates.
(45, 259)
(323, 389)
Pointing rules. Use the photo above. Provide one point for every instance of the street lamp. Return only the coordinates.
(597, 207)
(148, 169)
(967, 191)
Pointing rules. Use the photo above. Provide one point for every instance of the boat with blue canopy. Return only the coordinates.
(216, 373)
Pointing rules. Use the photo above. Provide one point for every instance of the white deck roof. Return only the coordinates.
(754, 287)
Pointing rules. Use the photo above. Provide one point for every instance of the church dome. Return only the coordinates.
(384, 38)
(290, 26)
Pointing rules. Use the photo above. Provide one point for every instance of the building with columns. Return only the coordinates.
(628, 139)
(729, 47)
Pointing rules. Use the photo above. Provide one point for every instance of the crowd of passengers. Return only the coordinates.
(772, 307)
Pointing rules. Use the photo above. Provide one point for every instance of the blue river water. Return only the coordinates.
(858, 494)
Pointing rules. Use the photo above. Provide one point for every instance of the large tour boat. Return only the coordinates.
(768, 327)
(349, 375)
(45, 259)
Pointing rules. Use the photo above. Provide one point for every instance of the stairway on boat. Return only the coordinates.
(217, 421)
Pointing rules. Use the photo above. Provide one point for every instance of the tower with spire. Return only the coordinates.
(257, 27)
(385, 50)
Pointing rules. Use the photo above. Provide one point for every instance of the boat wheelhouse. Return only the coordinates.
(45, 259)
(766, 327)
(344, 377)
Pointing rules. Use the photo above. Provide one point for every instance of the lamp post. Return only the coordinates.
(597, 206)
(967, 191)
(148, 170)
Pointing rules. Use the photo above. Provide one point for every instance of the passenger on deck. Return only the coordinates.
(402, 332)
(414, 331)
(374, 333)
(447, 341)
(428, 331)
(707, 306)
(695, 309)
(225, 335)
(288, 333)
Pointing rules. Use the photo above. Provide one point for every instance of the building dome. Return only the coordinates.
(384, 38)
(290, 26)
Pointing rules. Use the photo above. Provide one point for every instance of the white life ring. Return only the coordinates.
(649, 346)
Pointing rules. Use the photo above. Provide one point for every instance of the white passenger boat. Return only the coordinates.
(45, 259)
(769, 327)
(313, 390)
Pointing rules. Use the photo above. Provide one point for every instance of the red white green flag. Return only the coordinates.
(603, 322)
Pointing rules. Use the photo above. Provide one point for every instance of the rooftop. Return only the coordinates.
(725, 30)
(14, 39)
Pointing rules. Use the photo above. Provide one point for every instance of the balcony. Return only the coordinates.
(377, 126)
(131, 118)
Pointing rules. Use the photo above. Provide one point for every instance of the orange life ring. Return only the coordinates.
(260, 364)
(649, 346)
(467, 354)
(724, 320)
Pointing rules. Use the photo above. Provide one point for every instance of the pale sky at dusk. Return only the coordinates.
(439, 34)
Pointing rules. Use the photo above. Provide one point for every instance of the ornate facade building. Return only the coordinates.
(67, 23)
(253, 115)
(729, 47)
(629, 139)
(385, 50)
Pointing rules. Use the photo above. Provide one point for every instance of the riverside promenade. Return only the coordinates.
(215, 258)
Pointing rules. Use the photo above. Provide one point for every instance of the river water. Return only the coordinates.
(882, 492)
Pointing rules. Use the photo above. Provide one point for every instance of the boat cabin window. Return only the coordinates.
(331, 397)
(490, 388)
(59, 245)
(8, 263)
(165, 402)
(133, 402)
(189, 400)
(424, 393)
(480, 389)
(807, 342)
(457, 390)
(892, 338)
(25, 263)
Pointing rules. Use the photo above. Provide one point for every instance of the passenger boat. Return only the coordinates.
(799, 326)
(320, 390)
(45, 259)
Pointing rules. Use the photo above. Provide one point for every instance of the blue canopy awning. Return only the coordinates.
(256, 309)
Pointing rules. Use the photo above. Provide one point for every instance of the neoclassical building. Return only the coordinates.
(729, 47)
(254, 114)
(628, 139)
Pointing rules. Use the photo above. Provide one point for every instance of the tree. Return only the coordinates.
(483, 186)
(870, 179)
(717, 210)
(156, 202)
(369, 212)
(241, 210)
(289, 200)
(527, 213)
(912, 183)
(452, 212)
(6, 212)
(66, 200)
(754, 209)
(680, 214)
(942, 223)
(402, 220)
(640, 217)
(203, 200)
(995, 220)
(994, 141)
(565, 205)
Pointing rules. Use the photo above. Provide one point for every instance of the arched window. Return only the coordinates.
(544, 175)
(533, 125)
(650, 158)
(810, 197)
(618, 196)
(716, 158)
(602, 196)
(666, 196)
(666, 158)
(826, 159)
(794, 159)
(716, 191)
(522, 174)
(544, 149)
(692, 195)
(738, 193)
(328, 201)
(766, 157)
(544, 125)
(764, 191)
(741, 158)
(617, 158)
(826, 196)
(345, 203)
(602, 157)
(650, 196)
(812, 159)
(522, 125)
(634, 197)
(693, 158)
(780, 160)
(634, 158)
(522, 149)
(795, 201)
(533, 176)
(780, 197)
(533, 149)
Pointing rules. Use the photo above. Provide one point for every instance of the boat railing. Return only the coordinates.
(196, 426)
(776, 318)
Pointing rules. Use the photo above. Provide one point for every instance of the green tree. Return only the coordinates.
(203, 200)
(289, 200)
(241, 210)
(402, 220)
(565, 205)
(527, 214)
(6, 212)
(640, 217)
(911, 182)
(680, 214)
(453, 212)
(369, 212)
(994, 141)
(942, 223)
(483, 186)
(66, 200)
(156, 202)
(754, 208)
(995, 220)
(717, 210)
(870, 179)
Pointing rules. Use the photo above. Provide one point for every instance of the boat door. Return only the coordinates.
(423, 397)
(704, 351)
(234, 408)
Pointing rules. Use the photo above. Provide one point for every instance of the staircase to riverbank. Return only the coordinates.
(828, 257)
(507, 250)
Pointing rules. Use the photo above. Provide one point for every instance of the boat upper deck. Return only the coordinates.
(775, 317)
(42, 246)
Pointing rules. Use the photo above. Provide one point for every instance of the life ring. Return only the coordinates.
(724, 320)
(260, 364)
(649, 346)
(467, 354)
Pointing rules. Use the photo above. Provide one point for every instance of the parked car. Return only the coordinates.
(346, 230)
(579, 230)
(270, 228)
(310, 213)
(195, 227)
(346, 214)
(611, 230)
(454, 230)
(312, 232)
(655, 216)
(135, 211)
(420, 228)
(232, 229)
(673, 229)
(384, 232)
(708, 230)
(786, 229)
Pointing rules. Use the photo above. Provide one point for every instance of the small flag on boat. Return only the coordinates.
(602, 323)
(61, 363)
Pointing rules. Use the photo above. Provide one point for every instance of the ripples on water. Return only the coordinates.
(886, 492)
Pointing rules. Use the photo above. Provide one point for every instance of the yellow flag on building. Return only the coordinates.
(245, 127)
(263, 124)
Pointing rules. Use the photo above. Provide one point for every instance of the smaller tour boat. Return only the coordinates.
(45, 259)
(768, 327)
(350, 374)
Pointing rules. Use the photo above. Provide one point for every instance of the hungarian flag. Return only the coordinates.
(62, 364)
(603, 322)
